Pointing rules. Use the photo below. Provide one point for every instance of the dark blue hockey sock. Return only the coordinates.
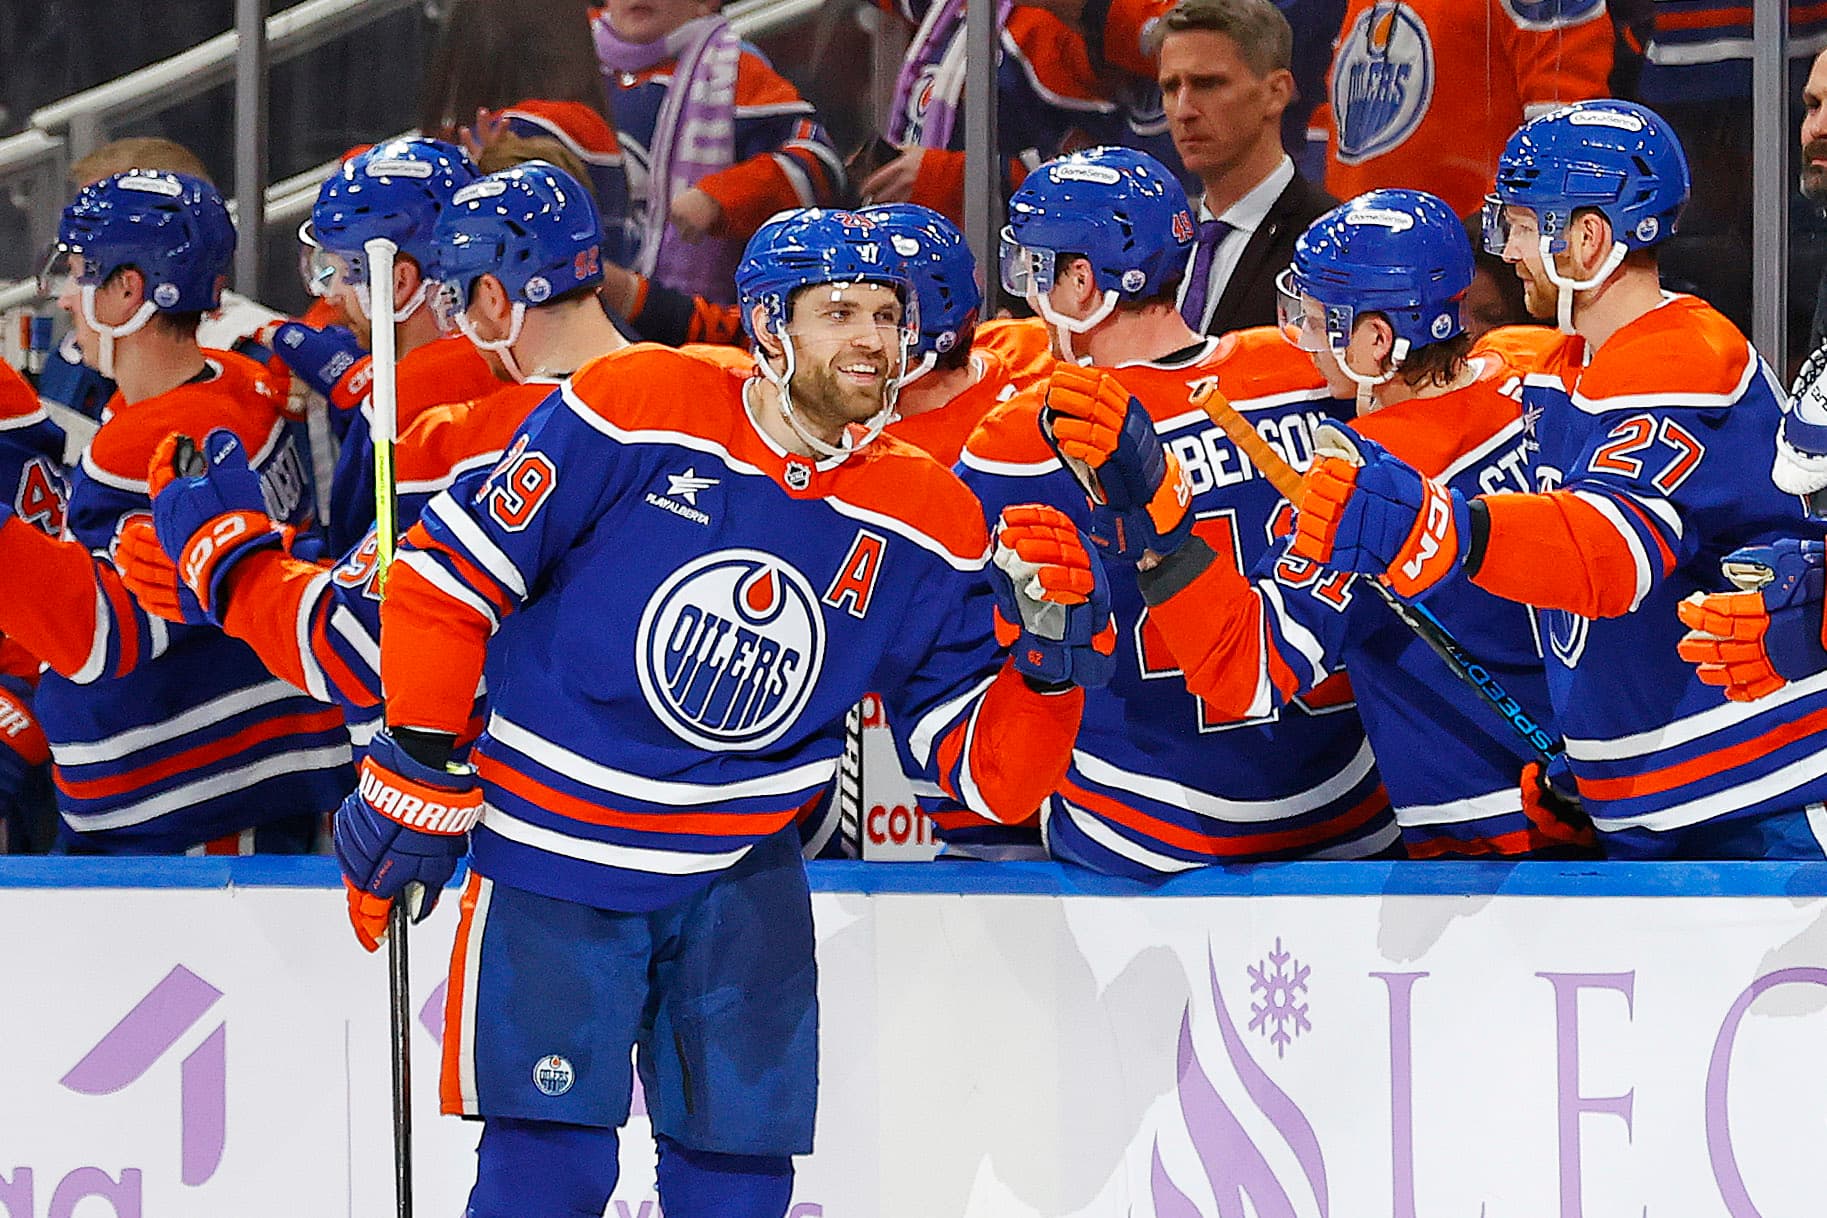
(540, 1169)
(703, 1184)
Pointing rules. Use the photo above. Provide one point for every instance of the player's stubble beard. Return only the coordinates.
(1814, 175)
(828, 405)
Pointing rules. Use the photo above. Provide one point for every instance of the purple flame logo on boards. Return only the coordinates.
(1243, 1181)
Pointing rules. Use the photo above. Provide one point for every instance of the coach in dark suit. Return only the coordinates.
(1225, 81)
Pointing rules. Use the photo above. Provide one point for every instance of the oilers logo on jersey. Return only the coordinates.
(729, 649)
(1382, 81)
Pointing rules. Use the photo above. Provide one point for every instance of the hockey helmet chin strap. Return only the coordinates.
(927, 363)
(1565, 287)
(364, 298)
(1065, 327)
(108, 334)
(1367, 384)
(502, 347)
(783, 380)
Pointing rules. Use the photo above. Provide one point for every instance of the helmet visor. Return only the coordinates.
(1301, 319)
(1025, 271)
(1496, 223)
(62, 273)
(449, 302)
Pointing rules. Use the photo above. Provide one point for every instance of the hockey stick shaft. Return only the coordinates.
(383, 402)
(1418, 618)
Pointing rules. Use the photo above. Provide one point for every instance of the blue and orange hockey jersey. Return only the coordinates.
(1650, 457)
(164, 736)
(682, 614)
(589, 138)
(1251, 645)
(1701, 50)
(1424, 93)
(1159, 783)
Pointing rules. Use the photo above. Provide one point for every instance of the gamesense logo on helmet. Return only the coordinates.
(729, 649)
(1383, 217)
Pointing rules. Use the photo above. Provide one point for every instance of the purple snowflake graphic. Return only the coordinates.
(1281, 1015)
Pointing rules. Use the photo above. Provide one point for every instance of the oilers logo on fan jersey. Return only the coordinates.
(1382, 81)
(729, 649)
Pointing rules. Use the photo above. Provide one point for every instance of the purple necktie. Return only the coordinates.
(1211, 232)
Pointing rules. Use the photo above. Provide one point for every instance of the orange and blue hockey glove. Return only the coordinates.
(150, 575)
(400, 834)
(1139, 493)
(1052, 599)
(1365, 510)
(332, 361)
(1755, 641)
(210, 513)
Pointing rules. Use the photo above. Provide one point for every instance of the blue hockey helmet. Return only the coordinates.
(172, 228)
(797, 249)
(1616, 157)
(943, 270)
(396, 190)
(1120, 209)
(1401, 253)
(533, 227)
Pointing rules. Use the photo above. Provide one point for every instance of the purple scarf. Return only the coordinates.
(930, 88)
(694, 136)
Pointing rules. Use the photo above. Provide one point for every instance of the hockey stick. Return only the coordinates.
(384, 428)
(1428, 628)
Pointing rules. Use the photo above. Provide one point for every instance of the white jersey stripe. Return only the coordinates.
(113, 748)
(225, 783)
(607, 854)
(1235, 811)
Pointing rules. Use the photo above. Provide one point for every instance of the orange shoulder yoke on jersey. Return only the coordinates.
(1010, 433)
(942, 432)
(1431, 433)
(444, 436)
(731, 359)
(893, 478)
(579, 128)
(447, 369)
(17, 397)
(1681, 350)
(1259, 363)
(1525, 348)
(1023, 344)
(240, 397)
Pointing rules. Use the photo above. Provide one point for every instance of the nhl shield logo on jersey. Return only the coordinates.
(729, 649)
(1382, 81)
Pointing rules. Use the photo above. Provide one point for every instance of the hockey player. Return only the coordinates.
(1159, 784)
(1649, 428)
(164, 737)
(1374, 295)
(520, 256)
(763, 566)
(394, 190)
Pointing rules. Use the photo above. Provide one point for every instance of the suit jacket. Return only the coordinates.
(1249, 297)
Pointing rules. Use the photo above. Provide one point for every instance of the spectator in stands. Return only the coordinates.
(716, 141)
(1051, 97)
(1224, 73)
(1423, 93)
(492, 55)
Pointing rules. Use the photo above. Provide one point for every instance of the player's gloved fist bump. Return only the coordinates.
(1052, 599)
(332, 361)
(213, 518)
(1139, 493)
(1367, 511)
(405, 824)
(151, 576)
(1755, 641)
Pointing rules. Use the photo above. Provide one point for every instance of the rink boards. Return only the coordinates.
(202, 1038)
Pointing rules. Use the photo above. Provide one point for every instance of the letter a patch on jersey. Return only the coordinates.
(854, 586)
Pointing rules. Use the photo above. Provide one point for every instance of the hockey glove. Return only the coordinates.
(1139, 493)
(1052, 599)
(1367, 511)
(1801, 437)
(150, 575)
(401, 832)
(212, 516)
(1754, 642)
(331, 360)
(22, 744)
(1551, 801)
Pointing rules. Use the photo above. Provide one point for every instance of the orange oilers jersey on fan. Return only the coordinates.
(1423, 93)
(1160, 783)
(1650, 458)
(1251, 644)
(681, 617)
(317, 625)
(165, 735)
(447, 369)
